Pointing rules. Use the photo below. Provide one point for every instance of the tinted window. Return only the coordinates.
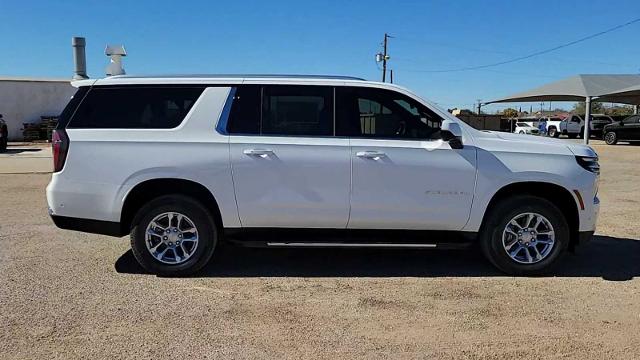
(71, 107)
(135, 107)
(631, 120)
(297, 110)
(377, 113)
(244, 117)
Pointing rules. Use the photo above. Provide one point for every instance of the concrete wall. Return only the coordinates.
(23, 101)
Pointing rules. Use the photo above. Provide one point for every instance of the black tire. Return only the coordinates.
(502, 213)
(521, 132)
(553, 132)
(611, 138)
(4, 140)
(202, 219)
(571, 136)
(581, 134)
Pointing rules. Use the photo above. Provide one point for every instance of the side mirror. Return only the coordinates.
(452, 133)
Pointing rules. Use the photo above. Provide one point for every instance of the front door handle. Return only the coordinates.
(258, 152)
(371, 154)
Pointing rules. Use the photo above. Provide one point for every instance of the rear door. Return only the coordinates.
(630, 130)
(288, 168)
(574, 125)
(404, 175)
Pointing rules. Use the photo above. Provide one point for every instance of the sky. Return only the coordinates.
(331, 37)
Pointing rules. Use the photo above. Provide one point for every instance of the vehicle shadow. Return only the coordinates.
(610, 258)
(12, 151)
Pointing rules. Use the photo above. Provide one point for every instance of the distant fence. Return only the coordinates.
(487, 122)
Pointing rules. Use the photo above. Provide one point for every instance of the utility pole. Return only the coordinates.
(479, 105)
(383, 57)
(391, 77)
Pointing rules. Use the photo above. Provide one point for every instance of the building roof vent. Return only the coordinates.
(116, 52)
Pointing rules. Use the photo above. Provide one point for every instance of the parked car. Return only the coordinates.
(597, 124)
(625, 130)
(529, 120)
(553, 125)
(184, 163)
(4, 135)
(524, 128)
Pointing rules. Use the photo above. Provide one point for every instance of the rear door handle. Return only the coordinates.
(371, 154)
(258, 152)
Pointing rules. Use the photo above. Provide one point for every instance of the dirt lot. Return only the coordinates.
(71, 295)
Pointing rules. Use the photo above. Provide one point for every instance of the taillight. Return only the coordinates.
(60, 147)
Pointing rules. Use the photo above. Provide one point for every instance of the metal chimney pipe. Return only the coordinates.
(79, 58)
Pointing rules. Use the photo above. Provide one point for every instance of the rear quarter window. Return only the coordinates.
(135, 107)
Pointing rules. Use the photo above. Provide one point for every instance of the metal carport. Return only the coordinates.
(619, 88)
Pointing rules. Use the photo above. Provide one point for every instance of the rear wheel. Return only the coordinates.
(173, 235)
(611, 138)
(553, 132)
(581, 135)
(524, 235)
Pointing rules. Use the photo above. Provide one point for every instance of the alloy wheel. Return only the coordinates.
(171, 238)
(528, 238)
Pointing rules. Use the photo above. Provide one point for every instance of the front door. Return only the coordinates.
(288, 168)
(404, 175)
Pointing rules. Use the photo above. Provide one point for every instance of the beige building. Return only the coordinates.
(24, 100)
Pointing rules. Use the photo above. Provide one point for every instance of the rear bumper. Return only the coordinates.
(88, 225)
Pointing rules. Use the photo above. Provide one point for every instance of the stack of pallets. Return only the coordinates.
(41, 130)
(48, 125)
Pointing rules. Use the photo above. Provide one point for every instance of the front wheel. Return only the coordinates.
(610, 138)
(173, 235)
(524, 235)
(521, 132)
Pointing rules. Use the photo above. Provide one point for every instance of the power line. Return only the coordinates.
(538, 53)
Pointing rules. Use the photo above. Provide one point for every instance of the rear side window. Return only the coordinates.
(282, 110)
(297, 110)
(244, 117)
(135, 107)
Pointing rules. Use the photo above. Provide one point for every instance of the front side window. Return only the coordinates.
(135, 107)
(631, 120)
(384, 114)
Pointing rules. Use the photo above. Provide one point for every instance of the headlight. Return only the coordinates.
(589, 163)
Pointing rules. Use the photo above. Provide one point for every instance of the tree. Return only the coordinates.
(621, 110)
(510, 113)
(596, 108)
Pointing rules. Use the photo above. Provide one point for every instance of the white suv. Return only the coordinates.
(183, 163)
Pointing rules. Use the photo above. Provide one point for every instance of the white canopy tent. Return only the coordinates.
(596, 87)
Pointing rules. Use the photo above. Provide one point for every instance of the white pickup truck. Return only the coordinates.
(573, 125)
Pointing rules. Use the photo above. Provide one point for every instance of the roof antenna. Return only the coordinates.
(116, 52)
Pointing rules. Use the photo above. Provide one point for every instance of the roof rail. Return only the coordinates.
(246, 76)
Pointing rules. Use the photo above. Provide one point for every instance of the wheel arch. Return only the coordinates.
(150, 189)
(556, 194)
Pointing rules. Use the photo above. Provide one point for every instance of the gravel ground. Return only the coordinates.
(72, 295)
